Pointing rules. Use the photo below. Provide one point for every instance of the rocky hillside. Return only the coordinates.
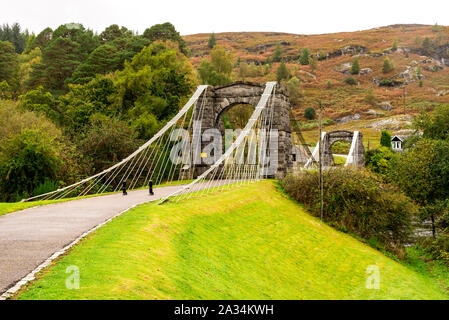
(419, 78)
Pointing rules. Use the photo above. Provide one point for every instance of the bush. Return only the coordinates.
(44, 187)
(351, 81)
(356, 201)
(385, 139)
(438, 247)
(388, 66)
(26, 161)
(309, 113)
(386, 83)
(378, 161)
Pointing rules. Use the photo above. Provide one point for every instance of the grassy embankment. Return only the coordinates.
(247, 243)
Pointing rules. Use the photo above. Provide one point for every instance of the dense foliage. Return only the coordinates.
(358, 202)
(100, 94)
(422, 172)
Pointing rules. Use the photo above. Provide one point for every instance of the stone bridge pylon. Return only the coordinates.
(219, 99)
(356, 154)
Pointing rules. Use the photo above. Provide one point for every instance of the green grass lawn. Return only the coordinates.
(250, 242)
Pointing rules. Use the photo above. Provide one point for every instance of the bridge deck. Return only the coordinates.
(30, 236)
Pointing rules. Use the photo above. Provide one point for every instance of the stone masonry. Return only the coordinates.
(221, 98)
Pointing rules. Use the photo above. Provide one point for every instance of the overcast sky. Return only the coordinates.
(201, 16)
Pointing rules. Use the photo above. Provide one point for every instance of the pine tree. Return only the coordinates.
(385, 139)
(304, 59)
(355, 68)
(212, 41)
(387, 66)
(8, 62)
(282, 73)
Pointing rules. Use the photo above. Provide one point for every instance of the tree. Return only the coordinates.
(427, 47)
(8, 63)
(434, 126)
(166, 31)
(277, 55)
(69, 46)
(114, 32)
(102, 60)
(310, 113)
(26, 62)
(385, 139)
(42, 39)
(26, 161)
(355, 68)
(304, 58)
(39, 100)
(75, 109)
(283, 73)
(155, 84)
(32, 150)
(417, 173)
(212, 41)
(15, 36)
(106, 141)
(293, 89)
(388, 66)
(395, 45)
(218, 70)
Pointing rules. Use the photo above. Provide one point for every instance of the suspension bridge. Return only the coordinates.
(185, 159)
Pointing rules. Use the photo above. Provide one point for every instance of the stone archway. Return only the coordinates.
(221, 98)
(342, 135)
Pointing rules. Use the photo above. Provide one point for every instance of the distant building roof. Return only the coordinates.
(399, 137)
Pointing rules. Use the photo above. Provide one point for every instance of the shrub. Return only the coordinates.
(356, 201)
(386, 83)
(438, 247)
(378, 161)
(351, 81)
(309, 113)
(26, 161)
(388, 66)
(46, 186)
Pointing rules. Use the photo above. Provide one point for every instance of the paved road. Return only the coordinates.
(29, 237)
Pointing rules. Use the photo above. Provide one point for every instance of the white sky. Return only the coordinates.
(202, 16)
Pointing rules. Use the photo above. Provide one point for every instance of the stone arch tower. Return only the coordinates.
(219, 99)
(342, 135)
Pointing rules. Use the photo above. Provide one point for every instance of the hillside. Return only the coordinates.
(422, 54)
(246, 243)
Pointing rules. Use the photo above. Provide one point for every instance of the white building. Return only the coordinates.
(397, 143)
